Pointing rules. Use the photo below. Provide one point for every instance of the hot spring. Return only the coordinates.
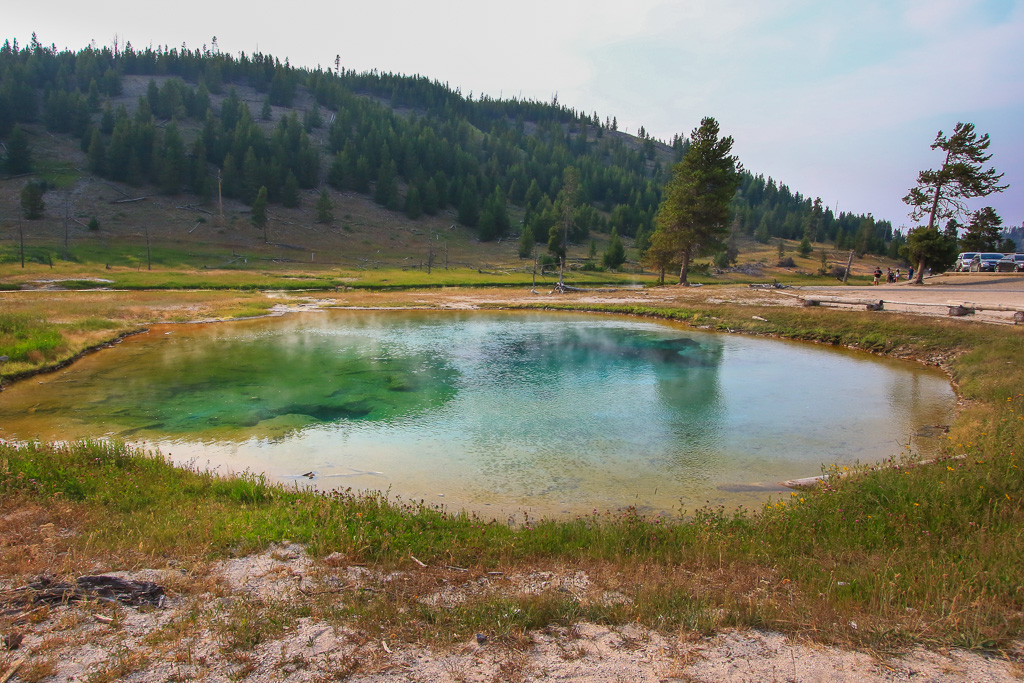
(491, 411)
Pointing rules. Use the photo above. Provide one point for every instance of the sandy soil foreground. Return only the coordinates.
(197, 636)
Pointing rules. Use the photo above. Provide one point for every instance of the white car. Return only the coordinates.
(963, 261)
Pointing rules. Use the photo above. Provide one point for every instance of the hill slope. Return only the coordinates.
(171, 148)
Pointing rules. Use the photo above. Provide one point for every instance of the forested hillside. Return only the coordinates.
(414, 146)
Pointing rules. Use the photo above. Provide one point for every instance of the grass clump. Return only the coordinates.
(24, 338)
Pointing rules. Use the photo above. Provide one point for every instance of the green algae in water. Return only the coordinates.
(235, 381)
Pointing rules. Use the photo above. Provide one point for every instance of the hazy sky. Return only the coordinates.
(837, 100)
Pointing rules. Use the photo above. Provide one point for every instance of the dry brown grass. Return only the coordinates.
(130, 309)
(34, 670)
(38, 540)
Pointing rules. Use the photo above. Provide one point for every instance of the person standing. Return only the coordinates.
(878, 274)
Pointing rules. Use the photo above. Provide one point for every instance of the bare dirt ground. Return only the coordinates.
(933, 298)
(202, 634)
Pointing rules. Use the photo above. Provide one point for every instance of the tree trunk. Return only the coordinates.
(938, 192)
(684, 269)
(931, 218)
(920, 272)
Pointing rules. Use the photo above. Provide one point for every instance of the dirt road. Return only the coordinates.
(933, 298)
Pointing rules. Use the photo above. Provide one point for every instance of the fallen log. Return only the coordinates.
(811, 482)
(871, 304)
(193, 207)
(10, 671)
(985, 307)
(46, 590)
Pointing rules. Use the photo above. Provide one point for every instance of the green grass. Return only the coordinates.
(60, 175)
(210, 267)
(24, 338)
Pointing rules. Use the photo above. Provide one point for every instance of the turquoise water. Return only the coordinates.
(495, 412)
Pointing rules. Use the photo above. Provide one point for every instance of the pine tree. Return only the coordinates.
(172, 162)
(813, 221)
(428, 194)
(198, 173)
(338, 172)
(259, 211)
(32, 204)
(693, 217)
(615, 254)
(413, 206)
(642, 242)
(386, 191)
(941, 194)
(526, 243)
(556, 244)
(93, 98)
(97, 153)
(568, 197)
(494, 221)
(311, 118)
(252, 176)
(324, 208)
(805, 247)
(840, 239)
(19, 154)
(469, 208)
(290, 196)
(930, 248)
(361, 175)
(983, 231)
(533, 194)
(107, 120)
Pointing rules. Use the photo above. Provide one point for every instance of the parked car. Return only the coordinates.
(1011, 263)
(963, 261)
(985, 262)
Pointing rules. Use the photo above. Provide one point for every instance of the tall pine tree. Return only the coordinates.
(693, 219)
(941, 194)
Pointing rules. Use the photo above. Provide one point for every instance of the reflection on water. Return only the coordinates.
(490, 411)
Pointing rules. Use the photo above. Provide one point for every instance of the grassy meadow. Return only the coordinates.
(901, 553)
